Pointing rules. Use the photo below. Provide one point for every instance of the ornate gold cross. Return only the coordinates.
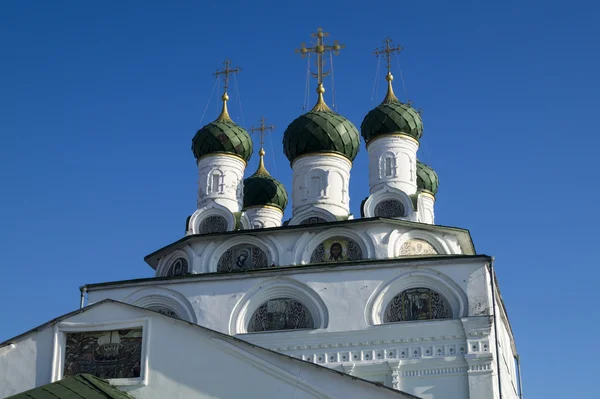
(262, 129)
(320, 49)
(387, 52)
(226, 72)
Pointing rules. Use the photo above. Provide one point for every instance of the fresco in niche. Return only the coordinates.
(417, 304)
(105, 354)
(178, 268)
(335, 250)
(213, 224)
(280, 314)
(416, 246)
(313, 220)
(242, 257)
(389, 209)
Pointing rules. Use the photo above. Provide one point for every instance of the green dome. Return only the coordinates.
(222, 136)
(321, 130)
(392, 117)
(262, 189)
(427, 179)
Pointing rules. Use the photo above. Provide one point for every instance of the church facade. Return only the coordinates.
(388, 297)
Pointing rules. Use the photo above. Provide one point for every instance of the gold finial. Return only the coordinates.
(387, 52)
(320, 48)
(262, 129)
(224, 117)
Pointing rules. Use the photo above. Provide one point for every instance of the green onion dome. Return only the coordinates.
(321, 131)
(392, 117)
(262, 189)
(427, 179)
(222, 136)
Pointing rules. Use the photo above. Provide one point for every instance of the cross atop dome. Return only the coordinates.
(387, 52)
(225, 72)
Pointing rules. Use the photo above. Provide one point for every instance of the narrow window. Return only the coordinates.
(216, 183)
(389, 168)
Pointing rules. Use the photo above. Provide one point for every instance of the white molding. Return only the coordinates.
(390, 193)
(60, 330)
(277, 288)
(211, 209)
(157, 296)
(165, 263)
(271, 247)
(311, 211)
(424, 278)
(302, 253)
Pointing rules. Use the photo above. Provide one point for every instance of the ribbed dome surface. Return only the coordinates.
(222, 136)
(427, 179)
(321, 131)
(392, 117)
(262, 189)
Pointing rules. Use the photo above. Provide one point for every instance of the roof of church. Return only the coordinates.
(153, 258)
(80, 386)
(199, 327)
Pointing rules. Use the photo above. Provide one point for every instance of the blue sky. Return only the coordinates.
(99, 102)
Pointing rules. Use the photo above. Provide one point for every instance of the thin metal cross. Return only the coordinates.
(226, 72)
(262, 129)
(387, 52)
(320, 49)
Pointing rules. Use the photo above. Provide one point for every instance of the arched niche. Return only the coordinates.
(390, 202)
(270, 248)
(303, 252)
(177, 263)
(414, 241)
(163, 300)
(452, 294)
(212, 218)
(276, 289)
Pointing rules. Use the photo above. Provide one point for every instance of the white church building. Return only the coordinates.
(324, 305)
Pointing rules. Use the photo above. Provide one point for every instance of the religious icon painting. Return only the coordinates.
(335, 250)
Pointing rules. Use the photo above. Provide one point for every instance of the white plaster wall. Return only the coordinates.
(262, 217)
(403, 149)
(185, 361)
(231, 168)
(323, 181)
(426, 208)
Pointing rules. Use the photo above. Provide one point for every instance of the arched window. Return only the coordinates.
(387, 165)
(242, 257)
(417, 304)
(166, 311)
(313, 220)
(416, 246)
(178, 267)
(390, 209)
(281, 314)
(216, 180)
(336, 249)
(213, 224)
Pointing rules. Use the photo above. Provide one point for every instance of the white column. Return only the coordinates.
(321, 180)
(393, 163)
(426, 211)
(220, 180)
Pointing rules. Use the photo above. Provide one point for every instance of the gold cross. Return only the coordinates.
(226, 72)
(388, 51)
(320, 49)
(262, 129)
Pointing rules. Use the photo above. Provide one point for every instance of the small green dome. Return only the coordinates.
(262, 189)
(321, 130)
(222, 136)
(427, 179)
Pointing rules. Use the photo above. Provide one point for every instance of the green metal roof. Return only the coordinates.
(427, 179)
(263, 189)
(222, 136)
(321, 131)
(392, 117)
(80, 386)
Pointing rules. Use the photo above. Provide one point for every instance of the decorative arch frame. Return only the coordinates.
(303, 251)
(397, 239)
(210, 210)
(165, 263)
(278, 287)
(163, 297)
(382, 160)
(423, 278)
(311, 211)
(271, 247)
(210, 189)
(390, 193)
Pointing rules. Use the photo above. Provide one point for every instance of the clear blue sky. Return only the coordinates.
(99, 102)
